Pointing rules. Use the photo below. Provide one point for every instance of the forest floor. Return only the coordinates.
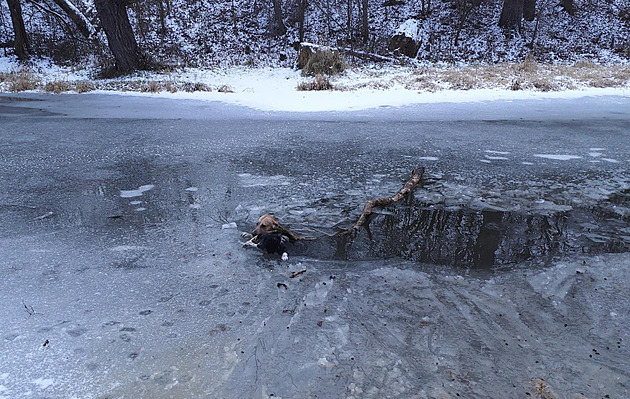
(358, 87)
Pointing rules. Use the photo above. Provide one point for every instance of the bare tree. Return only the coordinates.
(279, 27)
(567, 5)
(511, 15)
(529, 10)
(301, 17)
(365, 28)
(465, 7)
(425, 7)
(21, 45)
(120, 37)
(77, 17)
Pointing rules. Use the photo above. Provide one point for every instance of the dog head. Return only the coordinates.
(266, 224)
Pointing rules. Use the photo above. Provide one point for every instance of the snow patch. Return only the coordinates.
(137, 192)
(409, 28)
(43, 383)
(254, 88)
(557, 157)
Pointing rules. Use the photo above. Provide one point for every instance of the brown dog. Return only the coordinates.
(266, 224)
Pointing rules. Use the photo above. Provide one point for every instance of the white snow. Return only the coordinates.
(43, 383)
(557, 157)
(230, 225)
(409, 28)
(610, 160)
(275, 89)
(192, 189)
(137, 192)
(497, 152)
(429, 158)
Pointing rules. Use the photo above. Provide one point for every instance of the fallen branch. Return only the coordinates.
(346, 50)
(368, 210)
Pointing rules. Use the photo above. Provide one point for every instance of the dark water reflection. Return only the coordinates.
(463, 236)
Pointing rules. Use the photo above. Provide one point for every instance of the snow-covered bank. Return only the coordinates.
(276, 89)
(281, 99)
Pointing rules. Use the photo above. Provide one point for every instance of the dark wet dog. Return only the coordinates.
(273, 243)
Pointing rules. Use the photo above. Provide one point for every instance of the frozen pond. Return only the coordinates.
(506, 276)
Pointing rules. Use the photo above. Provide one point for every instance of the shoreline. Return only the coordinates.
(365, 88)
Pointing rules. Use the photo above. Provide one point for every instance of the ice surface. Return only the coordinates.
(102, 301)
(496, 158)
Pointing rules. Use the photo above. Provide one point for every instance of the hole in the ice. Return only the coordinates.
(466, 237)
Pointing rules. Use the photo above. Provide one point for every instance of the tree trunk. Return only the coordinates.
(20, 45)
(567, 5)
(162, 13)
(365, 28)
(529, 10)
(511, 15)
(120, 37)
(302, 16)
(279, 28)
(84, 26)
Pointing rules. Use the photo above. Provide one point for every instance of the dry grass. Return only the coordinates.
(527, 75)
(320, 83)
(225, 89)
(21, 80)
(190, 87)
(83, 86)
(324, 62)
(57, 86)
(151, 87)
(171, 87)
(542, 390)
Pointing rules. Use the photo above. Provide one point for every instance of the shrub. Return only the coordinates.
(151, 87)
(225, 89)
(320, 83)
(324, 62)
(57, 86)
(22, 80)
(170, 87)
(192, 87)
(83, 87)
